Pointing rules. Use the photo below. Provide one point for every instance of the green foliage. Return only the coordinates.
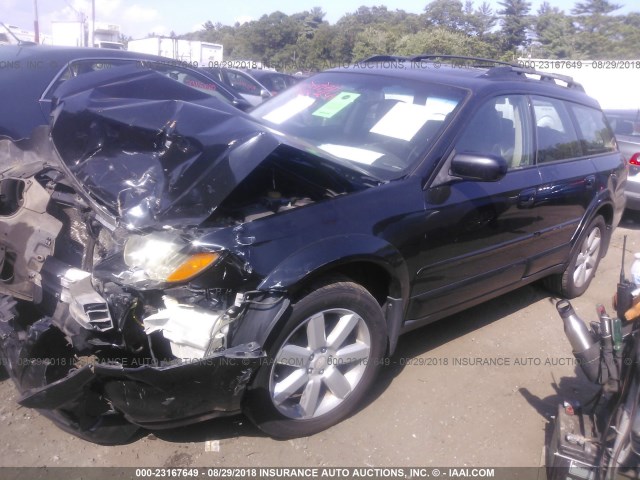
(556, 33)
(514, 23)
(446, 13)
(442, 41)
(305, 41)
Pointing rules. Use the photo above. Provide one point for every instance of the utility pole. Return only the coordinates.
(35, 22)
(93, 24)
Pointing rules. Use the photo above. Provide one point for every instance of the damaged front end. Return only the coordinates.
(113, 315)
(92, 329)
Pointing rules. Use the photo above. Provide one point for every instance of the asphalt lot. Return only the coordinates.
(475, 389)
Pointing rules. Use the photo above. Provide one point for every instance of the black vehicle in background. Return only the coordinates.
(276, 82)
(246, 85)
(30, 75)
(181, 261)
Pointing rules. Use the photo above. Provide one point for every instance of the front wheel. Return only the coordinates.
(320, 364)
(583, 263)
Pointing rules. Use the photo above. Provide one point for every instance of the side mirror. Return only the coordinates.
(479, 167)
(264, 93)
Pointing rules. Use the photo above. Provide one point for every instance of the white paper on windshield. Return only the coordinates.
(289, 109)
(440, 107)
(354, 154)
(404, 120)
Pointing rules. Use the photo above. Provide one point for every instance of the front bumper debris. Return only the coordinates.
(107, 402)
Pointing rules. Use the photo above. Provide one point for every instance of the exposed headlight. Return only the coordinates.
(164, 257)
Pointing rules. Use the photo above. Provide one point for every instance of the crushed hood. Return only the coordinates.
(150, 161)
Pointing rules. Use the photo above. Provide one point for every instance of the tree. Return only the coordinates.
(555, 32)
(373, 41)
(595, 28)
(515, 22)
(305, 41)
(311, 21)
(482, 20)
(441, 41)
(446, 14)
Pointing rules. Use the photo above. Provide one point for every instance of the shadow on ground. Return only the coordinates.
(419, 342)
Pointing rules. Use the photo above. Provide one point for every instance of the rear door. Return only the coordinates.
(569, 137)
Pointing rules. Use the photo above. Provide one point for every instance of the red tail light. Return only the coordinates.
(635, 159)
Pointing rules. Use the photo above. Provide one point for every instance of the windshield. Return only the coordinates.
(381, 123)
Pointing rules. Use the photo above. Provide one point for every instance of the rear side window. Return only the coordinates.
(556, 137)
(595, 135)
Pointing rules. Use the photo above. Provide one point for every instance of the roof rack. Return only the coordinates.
(479, 60)
(497, 72)
(502, 70)
(384, 58)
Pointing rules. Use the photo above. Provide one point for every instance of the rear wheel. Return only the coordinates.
(583, 264)
(320, 364)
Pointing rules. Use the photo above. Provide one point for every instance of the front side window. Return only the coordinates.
(381, 124)
(556, 137)
(500, 127)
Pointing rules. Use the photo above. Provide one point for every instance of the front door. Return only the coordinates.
(479, 234)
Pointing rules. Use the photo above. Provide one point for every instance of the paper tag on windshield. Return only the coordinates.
(336, 104)
(289, 109)
(403, 121)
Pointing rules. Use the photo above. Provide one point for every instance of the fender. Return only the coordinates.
(602, 201)
(342, 250)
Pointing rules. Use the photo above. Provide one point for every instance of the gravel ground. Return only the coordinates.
(437, 404)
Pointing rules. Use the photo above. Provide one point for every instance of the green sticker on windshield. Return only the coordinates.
(336, 104)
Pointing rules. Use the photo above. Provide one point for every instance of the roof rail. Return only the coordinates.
(479, 60)
(384, 58)
(497, 72)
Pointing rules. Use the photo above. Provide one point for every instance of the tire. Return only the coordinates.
(321, 364)
(583, 263)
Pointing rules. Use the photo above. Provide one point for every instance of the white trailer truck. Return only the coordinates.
(193, 52)
(69, 34)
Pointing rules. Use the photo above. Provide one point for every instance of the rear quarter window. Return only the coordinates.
(595, 135)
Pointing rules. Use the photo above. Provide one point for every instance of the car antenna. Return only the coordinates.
(625, 288)
(624, 250)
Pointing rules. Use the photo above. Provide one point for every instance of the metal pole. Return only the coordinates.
(93, 23)
(35, 22)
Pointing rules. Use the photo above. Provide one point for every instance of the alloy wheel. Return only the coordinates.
(320, 364)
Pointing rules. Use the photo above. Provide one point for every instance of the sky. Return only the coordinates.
(137, 18)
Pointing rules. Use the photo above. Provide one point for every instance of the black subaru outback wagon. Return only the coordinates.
(165, 262)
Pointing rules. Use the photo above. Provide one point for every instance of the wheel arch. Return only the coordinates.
(603, 206)
(359, 257)
(366, 260)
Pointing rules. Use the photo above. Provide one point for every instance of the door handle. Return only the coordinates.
(590, 181)
(527, 198)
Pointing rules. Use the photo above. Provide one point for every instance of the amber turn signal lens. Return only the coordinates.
(192, 266)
